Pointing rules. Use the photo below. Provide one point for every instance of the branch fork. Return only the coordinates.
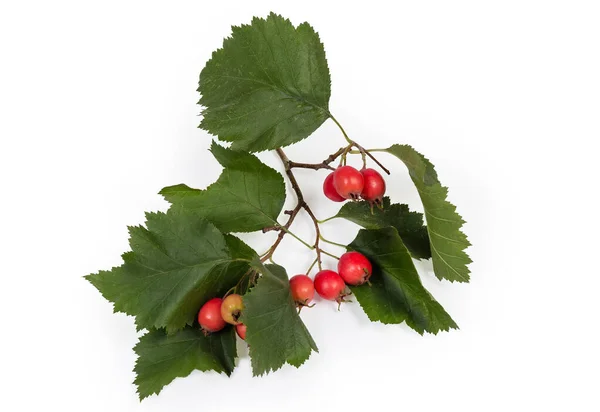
(301, 204)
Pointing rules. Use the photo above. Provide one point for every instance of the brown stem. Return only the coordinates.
(288, 165)
(361, 149)
(282, 233)
(293, 213)
(271, 228)
(364, 152)
(318, 233)
(325, 164)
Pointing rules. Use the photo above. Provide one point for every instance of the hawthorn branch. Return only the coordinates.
(288, 165)
(292, 213)
(301, 204)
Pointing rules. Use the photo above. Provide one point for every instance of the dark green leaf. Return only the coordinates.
(248, 195)
(275, 334)
(177, 263)
(408, 224)
(396, 293)
(447, 241)
(238, 249)
(162, 357)
(267, 87)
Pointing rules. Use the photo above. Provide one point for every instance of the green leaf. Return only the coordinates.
(396, 293)
(248, 195)
(447, 241)
(275, 332)
(408, 224)
(177, 263)
(268, 87)
(162, 357)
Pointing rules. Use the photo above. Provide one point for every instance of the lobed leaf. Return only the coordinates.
(396, 293)
(163, 358)
(408, 224)
(177, 262)
(248, 195)
(268, 87)
(275, 333)
(447, 240)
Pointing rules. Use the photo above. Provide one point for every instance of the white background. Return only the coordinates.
(98, 112)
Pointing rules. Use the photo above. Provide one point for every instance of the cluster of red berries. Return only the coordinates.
(217, 313)
(353, 269)
(348, 183)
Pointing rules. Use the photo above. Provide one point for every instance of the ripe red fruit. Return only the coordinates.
(354, 268)
(374, 186)
(348, 182)
(240, 329)
(329, 285)
(209, 316)
(303, 289)
(231, 308)
(330, 191)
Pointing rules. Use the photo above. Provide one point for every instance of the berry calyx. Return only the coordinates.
(348, 182)
(329, 189)
(231, 308)
(354, 268)
(303, 290)
(374, 186)
(209, 316)
(329, 285)
(240, 329)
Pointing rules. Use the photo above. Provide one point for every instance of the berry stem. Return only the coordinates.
(286, 230)
(364, 152)
(311, 266)
(369, 150)
(317, 234)
(330, 254)
(350, 142)
(237, 285)
(332, 243)
(327, 220)
(361, 150)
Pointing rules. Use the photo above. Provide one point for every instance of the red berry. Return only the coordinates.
(209, 316)
(330, 191)
(354, 268)
(374, 186)
(231, 308)
(348, 182)
(303, 289)
(329, 285)
(240, 329)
